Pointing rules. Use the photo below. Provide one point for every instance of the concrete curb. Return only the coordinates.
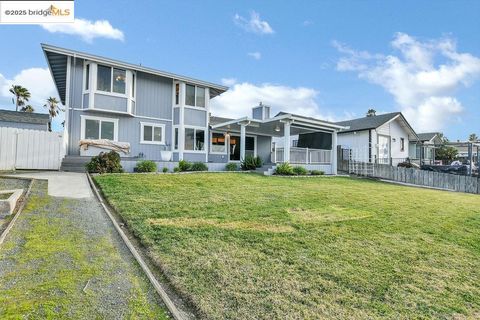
(158, 287)
(20, 209)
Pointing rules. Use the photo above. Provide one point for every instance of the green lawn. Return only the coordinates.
(247, 246)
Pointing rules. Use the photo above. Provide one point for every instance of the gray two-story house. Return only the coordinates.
(151, 114)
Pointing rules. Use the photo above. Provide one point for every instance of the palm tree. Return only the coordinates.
(21, 95)
(53, 109)
(473, 137)
(371, 112)
(27, 108)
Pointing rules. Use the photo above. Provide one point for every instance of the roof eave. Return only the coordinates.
(87, 56)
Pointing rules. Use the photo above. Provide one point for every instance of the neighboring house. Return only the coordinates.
(24, 120)
(381, 138)
(165, 117)
(423, 150)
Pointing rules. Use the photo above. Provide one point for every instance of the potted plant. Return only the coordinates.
(165, 154)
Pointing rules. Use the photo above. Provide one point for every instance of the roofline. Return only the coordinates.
(389, 120)
(282, 117)
(83, 55)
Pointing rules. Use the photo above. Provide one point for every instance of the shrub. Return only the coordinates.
(317, 173)
(258, 162)
(231, 166)
(176, 169)
(105, 162)
(198, 166)
(184, 165)
(146, 166)
(301, 171)
(165, 170)
(284, 169)
(251, 163)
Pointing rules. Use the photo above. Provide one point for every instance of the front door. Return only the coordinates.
(235, 147)
(383, 149)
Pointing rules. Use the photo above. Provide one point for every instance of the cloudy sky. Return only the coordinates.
(329, 59)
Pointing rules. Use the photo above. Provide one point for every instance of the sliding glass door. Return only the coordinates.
(235, 147)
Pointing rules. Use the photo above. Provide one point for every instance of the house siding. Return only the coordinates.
(153, 96)
(106, 102)
(128, 131)
(193, 117)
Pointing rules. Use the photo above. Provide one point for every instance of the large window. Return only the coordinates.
(111, 79)
(152, 133)
(218, 143)
(195, 96)
(98, 128)
(194, 139)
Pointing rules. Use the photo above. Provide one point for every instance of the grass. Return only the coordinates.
(55, 270)
(247, 247)
(5, 196)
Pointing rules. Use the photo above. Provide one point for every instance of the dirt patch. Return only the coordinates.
(215, 223)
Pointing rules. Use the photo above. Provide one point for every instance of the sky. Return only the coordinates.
(328, 59)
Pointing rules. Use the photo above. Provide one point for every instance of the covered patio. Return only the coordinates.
(295, 139)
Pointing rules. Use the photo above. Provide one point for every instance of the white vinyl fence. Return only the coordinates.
(30, 149)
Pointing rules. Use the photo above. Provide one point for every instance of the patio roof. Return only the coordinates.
(274, 126)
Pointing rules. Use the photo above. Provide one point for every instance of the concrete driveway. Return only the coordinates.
(62, 184)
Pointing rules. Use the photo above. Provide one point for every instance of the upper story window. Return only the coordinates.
(195, 96)
(177, 93)
(87, 77)
(111, 79)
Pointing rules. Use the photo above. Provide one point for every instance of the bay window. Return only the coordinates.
(194, 139)
(111, 79)
(194, 96)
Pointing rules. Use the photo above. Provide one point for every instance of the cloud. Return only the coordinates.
(254, 24)
(86, 29)
(307, 23)
(422, 76)
(229, 81)
(242, 97)
(255, 55)
(40, 84)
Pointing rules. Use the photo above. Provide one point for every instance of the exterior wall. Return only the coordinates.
(128, 165)
(106, 102)
(194, 157)
(358, 142)
(220, 158)
(153, 96)
(395, 131)
(193, 117)
(264, 148)
(128, 131)
(176, 115)
(22, 125)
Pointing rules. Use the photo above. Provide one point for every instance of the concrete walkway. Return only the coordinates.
(62, 184)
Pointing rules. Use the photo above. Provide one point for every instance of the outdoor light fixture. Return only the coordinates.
(277, 128)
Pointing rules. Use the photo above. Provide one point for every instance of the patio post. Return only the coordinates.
(286, 137)
(242, 141)
(334, 153)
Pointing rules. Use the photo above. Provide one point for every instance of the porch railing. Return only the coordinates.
(303, 155)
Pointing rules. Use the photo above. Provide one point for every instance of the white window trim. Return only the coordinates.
(153, 125)
(235, 133)
(211, 145)
(84, 118)
(195, 97)
(205, 130)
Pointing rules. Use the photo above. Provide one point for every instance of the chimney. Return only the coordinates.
(261, 112)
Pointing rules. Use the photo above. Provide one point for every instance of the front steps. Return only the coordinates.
(267, 169)
(74, 163)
